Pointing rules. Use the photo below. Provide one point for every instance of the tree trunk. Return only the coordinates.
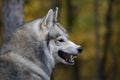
(107, 39)
(115, 61)
(97, 27)
(12, 16)
(70, 15)
(117, 41)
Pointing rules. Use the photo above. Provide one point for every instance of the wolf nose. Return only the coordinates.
(80, 49)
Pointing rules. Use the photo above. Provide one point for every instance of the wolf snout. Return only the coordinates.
(80, 49)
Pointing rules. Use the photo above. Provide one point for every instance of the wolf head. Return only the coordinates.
(57, 40)
(62, 49)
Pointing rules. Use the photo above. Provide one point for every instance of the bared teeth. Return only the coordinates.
(75, 57)
(72, 56)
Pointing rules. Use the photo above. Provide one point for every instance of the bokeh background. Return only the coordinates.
(94, 24)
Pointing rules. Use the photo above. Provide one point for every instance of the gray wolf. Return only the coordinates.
(35, 48)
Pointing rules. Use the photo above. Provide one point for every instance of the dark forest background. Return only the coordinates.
(94, 24)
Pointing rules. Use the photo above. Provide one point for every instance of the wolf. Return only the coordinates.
(35, 48)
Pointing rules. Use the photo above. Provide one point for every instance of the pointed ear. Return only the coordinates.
(48, 19)
(56, 14)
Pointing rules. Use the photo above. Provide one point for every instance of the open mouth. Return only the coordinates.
(69, 58)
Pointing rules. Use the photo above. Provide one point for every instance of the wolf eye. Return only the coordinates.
(61, 40)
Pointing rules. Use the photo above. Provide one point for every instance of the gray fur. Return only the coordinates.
(32, 51)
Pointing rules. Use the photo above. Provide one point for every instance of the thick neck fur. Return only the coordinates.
(25, 43)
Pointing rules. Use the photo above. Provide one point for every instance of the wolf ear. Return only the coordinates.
(48, 19)
(56, 14)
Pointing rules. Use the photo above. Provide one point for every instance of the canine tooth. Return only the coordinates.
(75, 57)
(72, 60)
(71, 56)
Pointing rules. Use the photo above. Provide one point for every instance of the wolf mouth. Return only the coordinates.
(68, 57)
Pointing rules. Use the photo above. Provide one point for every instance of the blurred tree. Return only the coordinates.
(107, 40)
(70, 15)
(117, 41)
(115, 62)
(97, 34)
(115, 47)
(12, 16)
(117, 18)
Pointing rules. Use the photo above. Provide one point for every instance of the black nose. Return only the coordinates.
(80, 49)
